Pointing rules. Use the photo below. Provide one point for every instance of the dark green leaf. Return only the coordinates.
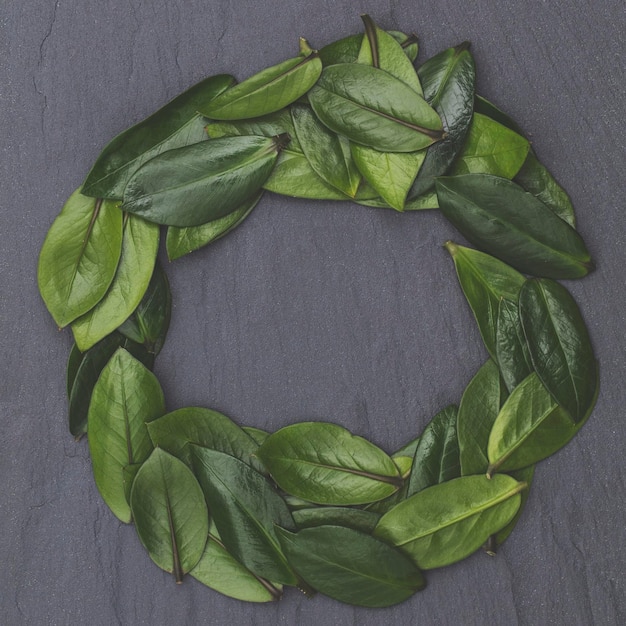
(177, 124)
(501, 218)
(170, 513)
(257, 435)
(350, 566)
(559, 345)
(202, 182)
(326, 464)
(511, 347)
(358, 519)
(484, 107)
(73, 364)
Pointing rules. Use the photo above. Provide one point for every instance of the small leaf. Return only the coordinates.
(446, 523)
(347, 50)
(79, 257)
(266, 92)
(559, 345)
(511, 347)
(350, 566)
(357, 519)
(326, 464)
(170, 513)
(126, 396)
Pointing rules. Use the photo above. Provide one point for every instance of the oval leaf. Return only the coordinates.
(170, 513)
(79, 257)
(326, 464)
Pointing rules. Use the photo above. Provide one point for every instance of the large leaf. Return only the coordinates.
(126, 396)
(491, 148)
(446, 523)
(246, 510)
(511, 346)
(437, 454)
(139, 249)
(219, 570)
(150, 321)
(350, 566)
(448, 82)
(202, 182)
(501, 218)
(326, 464)
(485, 282)
(79, 257)
(480, 405)
(559, 345)
(530, 427)
(170, 513)
(266, 92)
(358, 519)
(177, 124)
(373, 108)
(181, 241)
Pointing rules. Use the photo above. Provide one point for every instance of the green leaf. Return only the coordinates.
(530, 427)
(326, 464)
(407, 449)
(372, 108)
(448, 80)
(170, 513)
(74, 360)
(347, 50)
(491, 148)
(485, 281)
(499, 217)
(437, 454)
(140, 244)
(220, 571)
(129, 474)
(79, 257)
(480, 405)
(126, 396)
(511, 347)
(181, 241)
(202, 182)
(175, 125)
(246, 510)
(351, 567)
(421, 203)
(150, 321)
(327, 153)
(87, 373)
(257, 435)
(559, 345)
(358, 519)
(446, 523)
(484, 107)
(266, 92)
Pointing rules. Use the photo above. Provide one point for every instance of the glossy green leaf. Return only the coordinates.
(501, 218)
(149, 323)
(177, 124)
(530, 427)
(170, 513)
(491, 148)
(485, 281)
(480, 405)
(140, 244)
(79, 257)
(327, 153)
(125, 397)
(87, 373)
(205, 428)
(246, 510)
(181, 241)
(358, 519)
(559, 345)
(511, 347)
(220, 571)
(202, 182)
(446, 523)
(326, 464)
(347, 50)
(373, 108)
(448, 81)
(485, 107)
(266, 92)
(350, 566)
(437, 454)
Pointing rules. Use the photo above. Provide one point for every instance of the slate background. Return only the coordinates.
(308, 311)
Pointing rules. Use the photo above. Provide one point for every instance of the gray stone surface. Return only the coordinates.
(308, 311)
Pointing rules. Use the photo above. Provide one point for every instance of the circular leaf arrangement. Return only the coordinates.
(312, 505)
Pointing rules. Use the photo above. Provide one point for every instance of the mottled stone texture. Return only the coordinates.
(308, 311)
